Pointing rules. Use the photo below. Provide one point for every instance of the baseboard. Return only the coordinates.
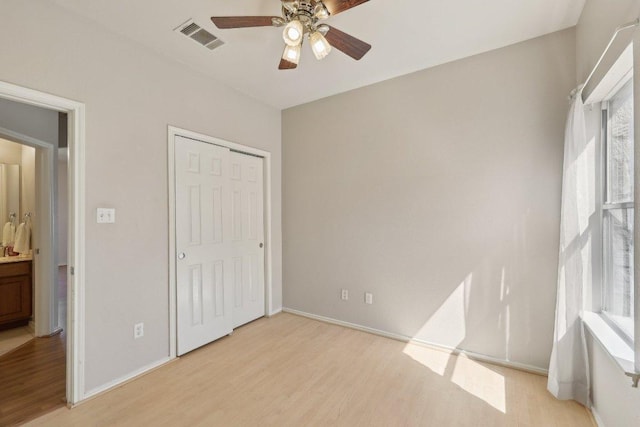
(596, 417)
(274, 312)
(92, 394)
(403, 338)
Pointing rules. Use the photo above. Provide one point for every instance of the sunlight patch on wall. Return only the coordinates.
(448, 324)
(482, 382)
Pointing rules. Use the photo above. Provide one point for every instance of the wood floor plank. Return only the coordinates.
(292, 371)
(32, 380)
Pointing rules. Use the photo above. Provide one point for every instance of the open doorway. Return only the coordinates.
(32, 291)
(52, 312)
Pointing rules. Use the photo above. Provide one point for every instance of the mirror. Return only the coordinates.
(9, 192)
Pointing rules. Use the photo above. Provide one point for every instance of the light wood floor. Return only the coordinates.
(290, 370)
(14, 338)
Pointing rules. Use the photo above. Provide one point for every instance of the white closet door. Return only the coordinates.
(204, 253)
(247, 233)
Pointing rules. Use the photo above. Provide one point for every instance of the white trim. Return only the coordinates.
(75, 298)
(596, 417)
(19, 138)
(403, 338)
(126, 378)
(619, 73)
(273, 313)
(612, 344)
(173, 334)
(172, 132)
(623, 27)
(63, 154)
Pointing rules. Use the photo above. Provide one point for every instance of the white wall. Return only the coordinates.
(597, 23)
(10, 182)
(131, 95)
(10, 152)
(17, 154)
(27, 120)
(439, 192)
(63, 215)
(615, 403)
(28, 190)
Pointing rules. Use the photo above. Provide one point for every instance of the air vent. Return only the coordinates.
(190, 29)
(200, 35)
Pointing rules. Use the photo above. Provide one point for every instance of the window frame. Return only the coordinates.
(604, 206)
(625, 356)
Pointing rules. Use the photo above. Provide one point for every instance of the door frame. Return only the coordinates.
(172, 132)
(76, 251)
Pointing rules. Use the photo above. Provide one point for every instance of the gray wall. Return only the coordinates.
(131, 95)
(27, 120)
(615, 403)
(439, 192)
(597, 23)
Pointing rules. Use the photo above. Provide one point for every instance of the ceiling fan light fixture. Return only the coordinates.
(320, 11)
(293, 32)
(290, 5)
(292, 54)
(320, 46)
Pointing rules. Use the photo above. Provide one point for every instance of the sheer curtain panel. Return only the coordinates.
(568, 367)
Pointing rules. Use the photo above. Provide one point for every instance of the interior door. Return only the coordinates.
(204, 253)
(247, 231)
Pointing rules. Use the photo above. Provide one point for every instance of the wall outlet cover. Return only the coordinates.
(138, 330)
(106, 216)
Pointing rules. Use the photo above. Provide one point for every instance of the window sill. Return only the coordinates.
(616, 347)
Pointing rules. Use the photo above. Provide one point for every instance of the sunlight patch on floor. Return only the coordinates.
(433, 359)
(480, 381)
(448, 326)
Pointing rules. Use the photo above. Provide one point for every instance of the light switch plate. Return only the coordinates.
(106, 216)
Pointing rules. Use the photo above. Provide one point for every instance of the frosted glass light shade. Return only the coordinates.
(320, 11)
(292, 54)
(319, 45)
(293, 32)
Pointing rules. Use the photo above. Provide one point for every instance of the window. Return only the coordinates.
(617, 207)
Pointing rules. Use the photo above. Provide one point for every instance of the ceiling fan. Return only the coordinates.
(300, 18)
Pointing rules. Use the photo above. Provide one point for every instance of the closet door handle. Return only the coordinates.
(182, 255)
(261, 245)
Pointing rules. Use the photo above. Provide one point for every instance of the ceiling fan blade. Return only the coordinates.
(224, 22)
(336, 6)
(346, 43)
(286, 65)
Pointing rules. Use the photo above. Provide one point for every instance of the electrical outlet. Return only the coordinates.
(138, 330)
(368, 298)
(345, 294)
(106, 216)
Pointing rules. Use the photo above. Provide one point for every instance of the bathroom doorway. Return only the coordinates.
(75, 347)
(32, 269)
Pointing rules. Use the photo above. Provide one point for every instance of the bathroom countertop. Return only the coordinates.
(17, 258)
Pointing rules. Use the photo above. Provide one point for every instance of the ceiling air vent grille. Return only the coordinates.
(200, 35)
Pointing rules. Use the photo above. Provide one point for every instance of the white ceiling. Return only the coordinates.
(407, 36)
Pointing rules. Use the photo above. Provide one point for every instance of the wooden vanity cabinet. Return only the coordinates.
(15, 294)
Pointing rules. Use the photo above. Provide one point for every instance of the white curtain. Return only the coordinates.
(568, 368)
